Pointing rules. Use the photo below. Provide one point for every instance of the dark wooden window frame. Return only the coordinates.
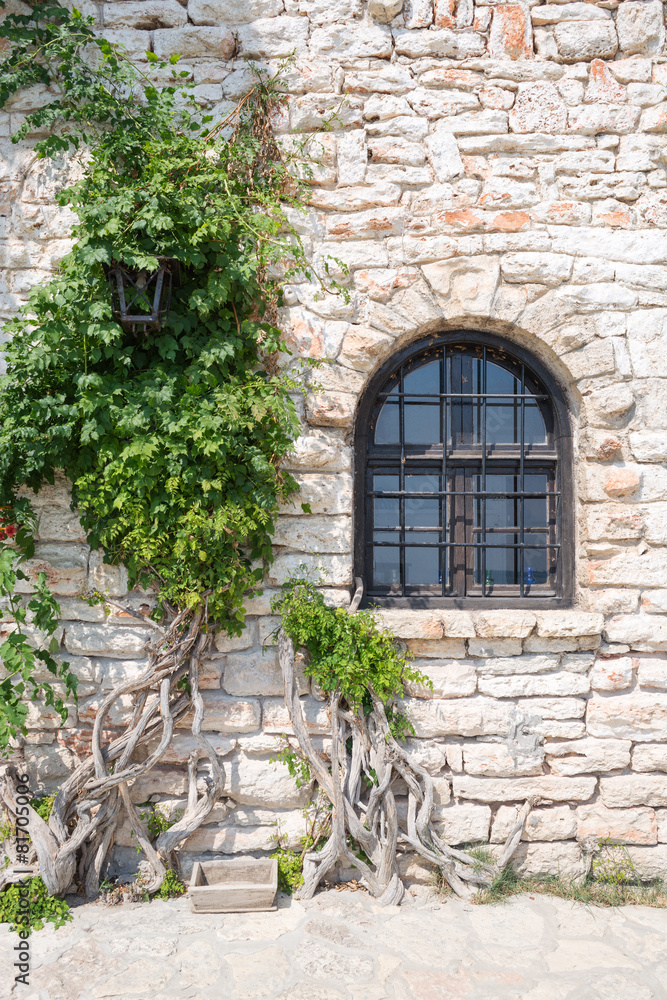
(562, 440)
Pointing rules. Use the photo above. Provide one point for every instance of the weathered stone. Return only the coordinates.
(642, 632)
(518, 686)
(490, 624)
(145, 15)
(192, 42)
(223, 714)
(526, 664)
(566, 623)
(563, 860)
(640, 27)
(384, 11)
(314, 533)
(588, 755)
(639, 716)
(650, 757)
(257, 673)
(449, 679)
(624, 790)
(494, 647)
(627, 826)
(652, 673)
(275, 717)
(611, 674)
(65, 567)
(538, 108)
(469, 717)
(554, 789)
(557, 823)
(411, 624)
(107, 640)
(463, 824)
(511, 35)
(255, 781)
(555, 708)
(496, 760)
(584, 40)
(443, 154)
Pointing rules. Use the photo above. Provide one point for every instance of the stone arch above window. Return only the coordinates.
(463, 479)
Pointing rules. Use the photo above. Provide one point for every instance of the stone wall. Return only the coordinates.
(490, 165)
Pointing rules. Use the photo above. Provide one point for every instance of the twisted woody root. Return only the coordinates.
(90, 804)
(369, 817)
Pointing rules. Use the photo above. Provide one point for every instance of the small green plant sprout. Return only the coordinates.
(171, 887)
(26, 907)
(294, 760)
(290, 869)
(613, 864)
(43, 805)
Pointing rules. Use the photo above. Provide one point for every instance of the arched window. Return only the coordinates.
(463, 479)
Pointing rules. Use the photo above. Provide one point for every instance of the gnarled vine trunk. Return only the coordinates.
(79, 834)
(359, 783)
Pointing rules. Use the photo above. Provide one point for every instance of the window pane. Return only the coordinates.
(535, 431)
(422, 565)
(422, 513)
(535, 564)
(387, 428)
(502, 419)
(422, 423)
(387, 513)
(501, 380)
(386, 559)
(535, 511)
(501, 567)
(386, 484)
(424, 379)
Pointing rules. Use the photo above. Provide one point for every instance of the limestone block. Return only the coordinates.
(182, 745)
(611, 674)
(558, 730)
(332, 570)
(648, 446)
(366, 41)
(526, 664)
(614, 521)
(314, 533)
(231, 643)
(580, 41)
(497, 761)
(275, 717)
(352, 157)
(439, 42)
(366, 225)
(654, 602)
(613, 601)
(450, 679)
(554, 708)
(582, 756)
(492, 624)
(654, 119)
(466, 286)
(632, 70)
(161, 779)
(650, 757)
(391, 79)
(257, 673)
(48, 765)
(362, 348)
(418, 13)
(548, 859)
(230, 11)
(384, 11)
(518, 686)
(568, 623)
(540, 268)
(496, 97)
(538, 108)
(661, 816)
(549, 787)
(554, 13)
(236, 838)
(113, 671)
(443, 154)
(114, 641)
(58, 525)
(511, 34)
(645, 340)
(224, 714)
(147, 15)
(411, 624)
(65, 566)
(325, 494)
(463, 824)
(649, 862)
(106, 578)
(194, 42)
(626, 826)
(255, 781)
(468, 717)
(652, 673)
(578, 663)
(437, 104)
(640, 716)
(557, 823)
(645, 94)
(623, 790)
(453, 649)
(641, 632)
(640, 27)
(308, 335)
(428, 754)
(487, 122)
(494, 647)
(655, 524)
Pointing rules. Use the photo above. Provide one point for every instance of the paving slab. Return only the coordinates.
(342, 946)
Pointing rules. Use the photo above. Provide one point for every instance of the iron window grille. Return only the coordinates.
(465, 493)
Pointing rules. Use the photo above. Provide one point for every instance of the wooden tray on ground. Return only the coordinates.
(240, 885)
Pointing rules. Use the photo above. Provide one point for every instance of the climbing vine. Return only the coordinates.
(172, 434)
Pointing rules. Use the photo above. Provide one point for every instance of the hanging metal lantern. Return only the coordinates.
(141, 298)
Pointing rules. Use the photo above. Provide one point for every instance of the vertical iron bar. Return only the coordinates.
(483, 483)
(444, 403)
(401, 484)
(522, 485)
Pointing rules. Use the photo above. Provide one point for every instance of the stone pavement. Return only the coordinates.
(342, 946)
